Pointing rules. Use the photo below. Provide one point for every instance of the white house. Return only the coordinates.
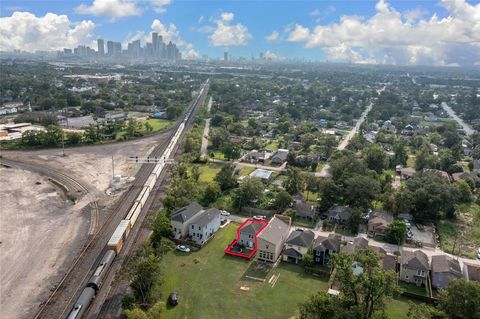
(204, 225)
(181, 219)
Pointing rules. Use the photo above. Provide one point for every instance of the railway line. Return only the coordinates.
(96, 257)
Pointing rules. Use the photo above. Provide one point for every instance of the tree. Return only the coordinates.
(160, 228)
(311, 183)
(461, 299)
(344, 165)
(329, 193)
(231, 151)
(396, 232)
(376, 158)
(294, 182)
(282, 200)
(249, 191)
(148, 126)
(424, 311)
(463, 192)
(321, 305)
(400, 153)
(226, 177)
(308, 260)
(218, 137)
(211, 194)
(365, 293)
(424, 159)
(361, 190)
(446, 159)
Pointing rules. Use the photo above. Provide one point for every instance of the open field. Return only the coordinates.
(208, 283)
(157, 126)
(461, 237)
(209, 171)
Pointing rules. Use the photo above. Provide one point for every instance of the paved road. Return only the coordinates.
(206, 131)
(452, 114)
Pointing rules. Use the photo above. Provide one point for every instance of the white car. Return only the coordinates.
(183, 248)
(224, 213)
(259, 217)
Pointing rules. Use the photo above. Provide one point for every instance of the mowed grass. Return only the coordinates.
(208, 283)
(158, 124)
(397, 308)
(208, 172)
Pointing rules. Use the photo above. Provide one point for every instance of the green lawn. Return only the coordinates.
(414, 289)
(158, 124)
(209, 171)
(246, 170)
(216, 155)
(397, 308)
(208, 283)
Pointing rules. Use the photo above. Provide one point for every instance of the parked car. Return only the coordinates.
(224, 213)
(173, 299)
(183, 248)
(259, 217)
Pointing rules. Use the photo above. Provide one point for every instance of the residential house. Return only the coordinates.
(471, 272)
(332, 131)
(204, 225)
(339, 214)
(407, 173)
(387, 261)
(248, 233)
(386, 146)
(297, 245)
(439, 172)
(264, 175)
(370, 137)
(444, 268)
(10, 108)
(302, 209)
(180, 219)
(433, 148)
(378, 223)
(271, 240)
(257, 156)
(280, 156)
(325, 247)
(357, 243)
(414, 267)
(463, 175)
(388, 126)
(110, 117)
(341, 125)
(296, 146)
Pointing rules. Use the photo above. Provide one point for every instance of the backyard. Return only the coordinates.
(211, 284)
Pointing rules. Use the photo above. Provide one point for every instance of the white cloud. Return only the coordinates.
(269, 55)
(190, 52)
(393, 37)
(27, 32)
(200, 19)
(274, 36)
(114, 9)
(227, 34)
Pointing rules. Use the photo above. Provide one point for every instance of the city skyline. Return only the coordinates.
(444, 32)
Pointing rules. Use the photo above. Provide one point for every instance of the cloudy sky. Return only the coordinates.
(405, 32)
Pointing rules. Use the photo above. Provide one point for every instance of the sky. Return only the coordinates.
(401, 32)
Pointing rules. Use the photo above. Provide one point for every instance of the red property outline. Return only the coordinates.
(227, 251)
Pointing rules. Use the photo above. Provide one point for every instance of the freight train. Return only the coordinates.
(115, 243)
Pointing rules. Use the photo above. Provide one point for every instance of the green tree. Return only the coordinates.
(321, 305)
(396, 232)
(231, 151)
(160, 228)
(282, 200)
(424, 311)
(329, 193)
(311, 183)
(249, 191)
(148, 126)
(361, 190)
(294, 182)
(226, 177)
(376, 158)
(461, 299)
(211, 193)
(400, 153)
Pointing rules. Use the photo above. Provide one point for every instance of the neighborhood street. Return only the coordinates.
(468, 130)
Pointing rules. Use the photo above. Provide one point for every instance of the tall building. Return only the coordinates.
(100, 47)
(110, 48)
(225, 56)
(155, 44)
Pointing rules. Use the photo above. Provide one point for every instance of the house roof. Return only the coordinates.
(380, 218)
(444, 263)
(277, 229)
(473, 272)
(407, 171)
(185, 213)
(387, 261)
(301, 238)
(339, 212)
(292, 253)
(358, 243)
(416, 260)
(251, 227)
(261, 173)
(204, 218)
(281, 154)
(331, 242)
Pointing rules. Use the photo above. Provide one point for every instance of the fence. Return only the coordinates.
(258, 211)
(190, 243)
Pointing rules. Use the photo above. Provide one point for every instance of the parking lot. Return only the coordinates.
(424, 235)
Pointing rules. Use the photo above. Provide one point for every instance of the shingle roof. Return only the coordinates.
(339, 212)
(417, 259)
(204, 218)
(185, 213)
(444, 263)
(251, 227)
(473, 272)
(358, 243)
(277, 229)
(330, 243)
(301, 238)
(292, 253)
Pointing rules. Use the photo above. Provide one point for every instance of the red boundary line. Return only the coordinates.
(227, 251)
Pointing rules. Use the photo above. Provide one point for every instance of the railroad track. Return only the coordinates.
(62, 298)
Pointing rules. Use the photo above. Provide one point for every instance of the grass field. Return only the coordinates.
(208, 284)
(157, 125)
(209, 171)
(246, 170)
(464, 233)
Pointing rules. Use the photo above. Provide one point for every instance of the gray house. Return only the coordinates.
(204, 225)
(180, 219)
(325, 247)
(297, 245)
(339, 214)
(443, 269)
(280, 156)
(414, 267)
(272, 238)
(248, 232)
(303, 209)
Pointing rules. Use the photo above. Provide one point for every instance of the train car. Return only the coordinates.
(119, 236)
(82, 303)
(136, 205)
(96, 280)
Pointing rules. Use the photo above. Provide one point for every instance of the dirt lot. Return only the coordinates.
(40, 233)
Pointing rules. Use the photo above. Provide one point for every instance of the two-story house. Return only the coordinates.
(444, 268)
(181, 218)
(204, 225)
(414, 267)
(339, 214)
(297, 245)
(325, 247)
(272, 238)
(378, 223)
(248, 233)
